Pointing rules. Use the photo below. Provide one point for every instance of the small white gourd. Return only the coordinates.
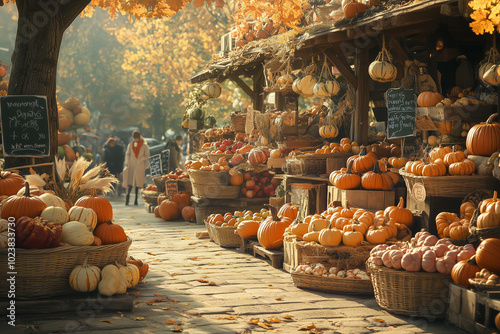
(112, 281)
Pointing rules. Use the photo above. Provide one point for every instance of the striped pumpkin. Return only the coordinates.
(328, 131)
(382, 71)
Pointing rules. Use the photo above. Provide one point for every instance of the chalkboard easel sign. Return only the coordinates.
(25, 126)
(158, 163)
(401, 104)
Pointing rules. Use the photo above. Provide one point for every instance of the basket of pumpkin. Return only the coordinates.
(212, 180)
(222, 231)
(48, 235)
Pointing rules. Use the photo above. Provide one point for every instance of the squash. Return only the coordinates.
(484, 138)
(84, 278)
(382, 71)
(169, 210)
(69, 153)
(81, 119)
(130, 272)
(101, 206)
(211, 90)
(330, 236)
(52, 200)
(328, 131)
(37, 233)
(55, 214)
(352, 238)
(143, 267)
(83, 215)
(464, 270)
(112, 281)
(488, 253)
(24, 205)
(77, 234)
(4, 233)
(428, 99)
(10, 183)
(271, 230)
(110, 233)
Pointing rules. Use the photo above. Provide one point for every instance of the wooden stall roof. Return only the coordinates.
(397, 18)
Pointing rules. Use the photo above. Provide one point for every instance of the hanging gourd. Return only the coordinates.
(326, 86)
(381, 69)
(488, 72)
(211, 90)
(329, 129)
(306, 84)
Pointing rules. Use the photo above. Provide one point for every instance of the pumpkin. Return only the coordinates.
(83, 215)
(491, 75)
(77, 234)
(353, 8)
(100, 205)
(439, 152)
(452, 157)
(130, 273)
(399, 213)
(112, 281)
(55, 214)
(288, 210)
(270, 232)
(467, 210)
(142, 266)
(363, 162)
(311, 236)
(411, 261)
(169, 210)
(157, 211)
(429, 261)
(352, 238)
(382, 71)
(464, 270)
(24, 205)
(37, 233)
(161, 198)
(436, 168)
(317, 224)
(376, 235)
(397, 162)
(488, 253)
(84, 278)
(445, 264)
(376, 179)
(459, 230)
(443, 222)
(299, 228)
(248, 229)
(188, 213)
(428, 99)
(347, 179)
(97, 241)
(328, 131)
(110, 233)
(181, 198)
(211, 90)
(10, 183)
(465, 167)
(257, 156)
(4, 233)
(484, 138)
(236, 179)
(52, 200)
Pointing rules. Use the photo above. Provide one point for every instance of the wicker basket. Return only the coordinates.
(43, 273)
(215, 157)
(159, 182)
(238, 122)
(185, 184)
(209, 178)
(211, 191)
(450, 186)
(330, 284)
(419, 294)
(224, 236)
(150, 197)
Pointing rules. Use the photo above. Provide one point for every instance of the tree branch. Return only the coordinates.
(71, 10)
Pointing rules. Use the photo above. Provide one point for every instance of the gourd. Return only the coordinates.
(399, 213)
(77, 234)
(489, 210)
(55, 214)
(10, 183)
(84, 278)
(110, 233)
(83, 215)
(317, 224)
(130, 273)
(112, 281)
(24, 205)
(381, 69)
(397, 162)
(257, 156)
(4, 230)
(211, 90)
(37, 233)
(328, 131)
(101, 206)
(143, 267)
(484, 138)
(411, 262)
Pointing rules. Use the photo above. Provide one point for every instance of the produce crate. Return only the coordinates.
(292, 255)
(206, 206)
(224, 236)
(348, 286)
(337, 162)
(366, 199)
(314, 165)
(310, 197)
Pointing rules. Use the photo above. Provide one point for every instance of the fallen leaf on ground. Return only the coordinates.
(170, 321)
(193, 313)
(137, 293)
(186, 238)
(157, 294)
(106, 320)
(279, 299)
(202, 281)
(186, 304)
(175, 300)
(139, 318)
(178, 329)
(213, 264)
(193, 258)
(288, 316)
(379, 320)
(229, 317)
(121, 314)
(192, 243)
(169, 307)
(212, 283)
(274, 319)
(157, 260)
(259, 323)
(149, 253)
(175, 274)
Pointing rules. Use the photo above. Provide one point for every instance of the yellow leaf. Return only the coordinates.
(139, 318)
(106, 320)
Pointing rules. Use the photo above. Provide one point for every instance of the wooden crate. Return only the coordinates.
(336, 163)
(292, 255)
(273, 256)
(310, 197)
(366, 199)
(204, 207)
(275, 163)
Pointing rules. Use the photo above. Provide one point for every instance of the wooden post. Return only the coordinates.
(258, 89)
(362, 97)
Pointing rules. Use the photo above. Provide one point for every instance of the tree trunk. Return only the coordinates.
(40, 31)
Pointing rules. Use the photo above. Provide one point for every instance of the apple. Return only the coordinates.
(250, 194)
(268, 188)
(229, 152)
(244, 191)
(247, 176)
(222, 148)
(227, 142)
(271, 194)
(260, 194)
(256, 179)
(266, 174)
(256, 188)
(250, 184)
(264, 180)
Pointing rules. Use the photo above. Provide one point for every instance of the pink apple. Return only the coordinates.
(250, 184)
(250, 193)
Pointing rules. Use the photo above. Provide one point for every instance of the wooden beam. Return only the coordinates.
(236, 79)
(258, 88)
(362, 97)
(342, 66)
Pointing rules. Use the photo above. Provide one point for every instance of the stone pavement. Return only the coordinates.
(249, 296)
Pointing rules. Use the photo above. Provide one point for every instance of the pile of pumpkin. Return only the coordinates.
(171, 208)
(352, 227)
(365, 170)
(112, 279)
(71, 113)
(238, 217)
(442, 161)
(47, 221)
(345, 145)
(319, 269)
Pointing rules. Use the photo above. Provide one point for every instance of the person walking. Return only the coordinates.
(175, 153)
(136, 162)
(113, 155)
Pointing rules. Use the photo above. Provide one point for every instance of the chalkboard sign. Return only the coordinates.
(401, 104)
(158, 163)
(25, 126)
(171, 187)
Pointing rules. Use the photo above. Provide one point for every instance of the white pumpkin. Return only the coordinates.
(77, 234)
(130, 273)
(306, 85)
(112, 281)
(52, 200)
(4, 233)
(332, 87)
(83, 215)
(34, 191)
(320, 90)
(491, 76)
(81, 119)
(382, 71)
(55, 214)
(482, 71)
(212, 90)
(84, 278)
(295, 86)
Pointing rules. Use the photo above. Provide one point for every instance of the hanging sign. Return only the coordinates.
(401, 104)
(165, 161)
(25, 126)
(155, 165)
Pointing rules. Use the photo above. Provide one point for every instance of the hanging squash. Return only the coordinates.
(381, 69)
(484, 139)
(211, 90)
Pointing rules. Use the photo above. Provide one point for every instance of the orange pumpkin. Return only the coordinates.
(181, 198)
(169, 210)
(484, 139)
(347, 179)
(464, 270)
(188, 213)
(110, 233)
(429, 99)
(353, 8)
(10, 183)
(271, 230)
(376, 179)
(24, 205)
(100, 205)
(248, 229)
(363, 162)
(236, 179)
(142, 266)
(288, 210)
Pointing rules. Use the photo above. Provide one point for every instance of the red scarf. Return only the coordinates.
(136, 148)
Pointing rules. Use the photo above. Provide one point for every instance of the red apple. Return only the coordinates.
(222, 148)
(268, 188)
(250, 193)
(227, 142)
(244, 191)
(247, 176)
(218, 143)
(250, 184)
(271, 194)
(260, 194)
(256, 188)
(266, 174)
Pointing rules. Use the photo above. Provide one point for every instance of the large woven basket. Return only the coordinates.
(419, 294)
(159, 182)
(329, 284)
(150, 197)
(224, 236)
(450, 186)
(208, 177)
(211, 191)
(238, 122)
(42, 273)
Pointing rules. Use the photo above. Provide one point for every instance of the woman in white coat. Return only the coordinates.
(136, 162)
